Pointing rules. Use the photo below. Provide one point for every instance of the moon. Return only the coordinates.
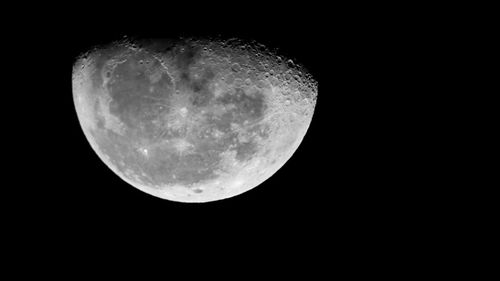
(192, 120)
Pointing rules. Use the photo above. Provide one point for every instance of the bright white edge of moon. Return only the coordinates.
(245, 179)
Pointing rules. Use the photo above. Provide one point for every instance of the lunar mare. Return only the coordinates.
(192, 120)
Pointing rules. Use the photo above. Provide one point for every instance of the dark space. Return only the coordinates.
(356, 189)
(85, 181)
(317, 186)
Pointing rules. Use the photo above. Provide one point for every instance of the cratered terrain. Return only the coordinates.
(192, 120)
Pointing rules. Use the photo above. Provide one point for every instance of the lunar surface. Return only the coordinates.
(192, 120)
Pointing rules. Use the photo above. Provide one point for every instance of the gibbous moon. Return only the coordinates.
(192, 120)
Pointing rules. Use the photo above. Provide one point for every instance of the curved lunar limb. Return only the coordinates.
(192, 120)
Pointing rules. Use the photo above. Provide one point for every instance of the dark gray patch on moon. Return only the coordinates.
(181, 151)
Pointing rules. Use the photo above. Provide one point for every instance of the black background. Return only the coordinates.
(338, 180)
(362, 189)
(78, 188)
